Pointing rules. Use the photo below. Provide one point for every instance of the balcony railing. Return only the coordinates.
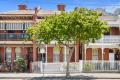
(109, 39)
(13, 36)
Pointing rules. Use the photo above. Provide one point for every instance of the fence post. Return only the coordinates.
(81, 65)
(41, 66)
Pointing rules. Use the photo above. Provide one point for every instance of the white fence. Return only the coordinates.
(101, 66)
(54, 67)
(81, 66)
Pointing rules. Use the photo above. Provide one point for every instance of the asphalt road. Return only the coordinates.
(57, 78)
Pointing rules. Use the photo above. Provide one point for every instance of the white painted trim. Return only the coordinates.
(65, 53)
(75, 53)
(85, 51)
(16, 42)
(46, 53)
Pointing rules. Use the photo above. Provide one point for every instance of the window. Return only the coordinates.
(110, 50)
(94, 54)
(17, 52)
(56, 53)
(8, 55)
(30, 54)
(2, 26)
(107, 33)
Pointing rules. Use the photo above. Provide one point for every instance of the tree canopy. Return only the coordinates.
(82, 24)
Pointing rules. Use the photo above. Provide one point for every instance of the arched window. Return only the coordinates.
(8, 54)
(17, 52)
(56, 52)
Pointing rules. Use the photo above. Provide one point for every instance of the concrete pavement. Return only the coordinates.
(36, 76)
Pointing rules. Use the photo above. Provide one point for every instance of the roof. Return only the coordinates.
(109, 18)
(18, 12)
(31, 12)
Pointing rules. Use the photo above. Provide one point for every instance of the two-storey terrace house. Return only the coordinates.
(108, 47)
(13, 27)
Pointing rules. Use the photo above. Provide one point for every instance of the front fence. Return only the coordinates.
(81, 66)
(101, 66)
(54, 67)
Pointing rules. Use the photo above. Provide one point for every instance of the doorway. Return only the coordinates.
(117, 54)
(111, 55)
(29, 56)
(41, 55)
(111, 58)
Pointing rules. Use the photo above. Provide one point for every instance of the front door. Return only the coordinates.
(29, 56)
(117, 55)
(41, 55)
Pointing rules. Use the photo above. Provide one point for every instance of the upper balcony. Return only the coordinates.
(109, 39)
(13, 36)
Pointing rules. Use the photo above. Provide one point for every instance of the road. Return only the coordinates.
(39, 78)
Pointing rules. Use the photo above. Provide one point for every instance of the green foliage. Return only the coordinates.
(20, 65)
(82, 24)
(87, 67)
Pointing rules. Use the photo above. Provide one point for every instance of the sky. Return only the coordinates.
(109, 5)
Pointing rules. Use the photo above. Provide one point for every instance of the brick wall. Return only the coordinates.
(50, 54)
(89, 54)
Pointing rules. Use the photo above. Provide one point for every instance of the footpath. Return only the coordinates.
(75, 75)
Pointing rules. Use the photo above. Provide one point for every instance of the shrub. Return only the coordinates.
(87, 67)
(20, 65)
(5, 68)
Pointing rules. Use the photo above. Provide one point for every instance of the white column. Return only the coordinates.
(85, 51)
(102, 53)
(75, 53)
(102, 50)
(65, 53)
(46, 52)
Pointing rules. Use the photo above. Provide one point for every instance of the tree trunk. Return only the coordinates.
(68, 61)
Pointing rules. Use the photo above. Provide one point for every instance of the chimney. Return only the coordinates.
(37, 9)
(22, 7)
(61, 7)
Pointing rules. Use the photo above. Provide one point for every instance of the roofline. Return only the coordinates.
(16, 14)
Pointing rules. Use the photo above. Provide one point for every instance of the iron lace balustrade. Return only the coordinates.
(13, 36)
(110, 39)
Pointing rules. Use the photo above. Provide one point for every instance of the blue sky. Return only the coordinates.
(110, 5)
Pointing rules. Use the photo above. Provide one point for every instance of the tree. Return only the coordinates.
(81, 25)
